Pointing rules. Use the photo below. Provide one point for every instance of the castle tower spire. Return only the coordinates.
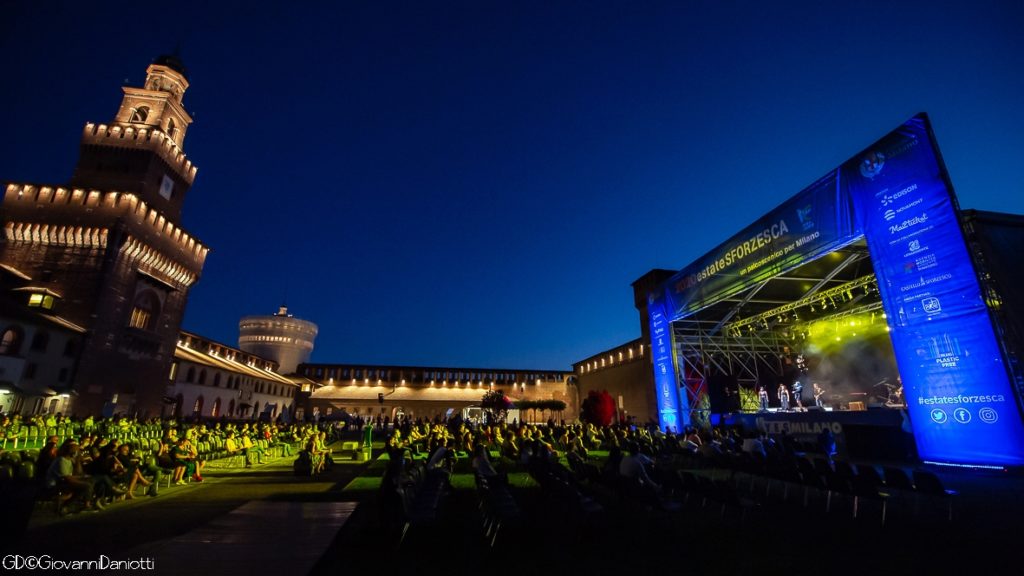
(140, 151)
(112, 245)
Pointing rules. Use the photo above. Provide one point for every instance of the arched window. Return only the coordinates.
(202, 377)
(216, 379)
(40, 341)
(190, 376)
(145, 310)
(139, 115)
(197, 408)
(216, 408)
(10, 341)
(171, 129)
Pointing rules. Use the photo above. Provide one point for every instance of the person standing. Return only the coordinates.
(762, 397)
(819, 395)
(783, 397)
(798, 391)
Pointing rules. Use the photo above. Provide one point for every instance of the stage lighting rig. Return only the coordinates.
(841, 292)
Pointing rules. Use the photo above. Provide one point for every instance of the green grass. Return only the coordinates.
(363, 484)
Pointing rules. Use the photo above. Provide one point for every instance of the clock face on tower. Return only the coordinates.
(167, 187)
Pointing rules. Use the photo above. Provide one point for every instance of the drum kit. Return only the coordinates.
(889, 394)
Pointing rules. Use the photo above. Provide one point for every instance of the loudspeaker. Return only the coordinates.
(815, 408)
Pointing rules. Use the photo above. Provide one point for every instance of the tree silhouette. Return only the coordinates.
(496, 404)
(598, 408)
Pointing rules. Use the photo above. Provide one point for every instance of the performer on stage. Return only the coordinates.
(762, 397)
(819, 395)
(897, 397)
(783, 397)
(798, 391)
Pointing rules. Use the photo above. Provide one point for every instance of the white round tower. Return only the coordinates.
(280, 337)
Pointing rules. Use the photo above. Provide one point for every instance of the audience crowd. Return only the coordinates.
(91, 463)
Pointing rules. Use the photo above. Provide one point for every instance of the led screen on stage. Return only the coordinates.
(957, 387)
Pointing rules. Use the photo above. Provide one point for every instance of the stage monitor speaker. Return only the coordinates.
(815, 408)
(857, 407)
(875, 406)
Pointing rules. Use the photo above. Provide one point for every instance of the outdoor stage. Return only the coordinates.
(872, 285)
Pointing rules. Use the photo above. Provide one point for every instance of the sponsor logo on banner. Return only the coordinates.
(888, 199)
(785, 427)
(926, 262)
(920, 264)
(913, 247)
(931, 305)
(871, 165)
(891, 214)
(804, 215)
(946, 351)
(908, 223)
(922, 282)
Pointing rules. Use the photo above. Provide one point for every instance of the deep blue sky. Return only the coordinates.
(478, 184)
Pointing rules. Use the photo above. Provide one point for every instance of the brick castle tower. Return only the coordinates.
(110, 246)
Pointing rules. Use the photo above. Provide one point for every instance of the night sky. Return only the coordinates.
(478, 184)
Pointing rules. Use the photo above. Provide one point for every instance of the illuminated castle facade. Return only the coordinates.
(109, 249)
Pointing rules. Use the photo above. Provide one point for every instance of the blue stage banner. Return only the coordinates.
(810, 224)
(957, 387)
(671, 414)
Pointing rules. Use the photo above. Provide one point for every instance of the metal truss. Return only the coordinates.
(702, 350)
(843, 292)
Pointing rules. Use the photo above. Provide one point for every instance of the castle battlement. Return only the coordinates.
(155, 264)
(116, 204)
(56, 234)
(148, 138)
